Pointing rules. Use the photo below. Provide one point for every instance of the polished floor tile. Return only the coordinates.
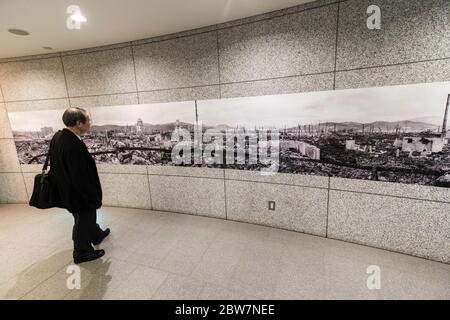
(164, 255)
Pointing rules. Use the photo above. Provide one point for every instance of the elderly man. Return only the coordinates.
(78, 183)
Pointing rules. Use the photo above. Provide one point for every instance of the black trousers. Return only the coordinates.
(85, 231)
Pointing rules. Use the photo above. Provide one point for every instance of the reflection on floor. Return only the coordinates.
(161, 255)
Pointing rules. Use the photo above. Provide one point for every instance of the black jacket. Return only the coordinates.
(74, 171)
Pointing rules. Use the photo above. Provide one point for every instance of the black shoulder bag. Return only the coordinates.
(45, 192)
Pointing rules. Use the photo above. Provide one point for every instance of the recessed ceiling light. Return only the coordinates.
(47, 48)
(18, 32)
(78, 17)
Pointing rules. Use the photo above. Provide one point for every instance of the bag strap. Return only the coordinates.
(47, 158)
(46, 161)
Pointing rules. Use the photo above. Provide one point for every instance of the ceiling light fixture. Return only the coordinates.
(18, 32)
(78, 17)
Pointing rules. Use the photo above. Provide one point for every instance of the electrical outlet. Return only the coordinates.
(272, 205)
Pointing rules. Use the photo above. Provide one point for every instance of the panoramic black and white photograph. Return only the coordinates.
(395, 134)
(32, 132)
(134, 134)
(138, 134)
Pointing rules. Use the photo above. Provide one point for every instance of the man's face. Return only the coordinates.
(85, 127)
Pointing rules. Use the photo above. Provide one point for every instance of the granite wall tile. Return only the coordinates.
(5, 128)
(415, 191)
(105, 100)
(121, 168)
(125, 190)
(198, 196)
(32, 79)
(200, 172)
(420, 72)
(317, 82)
(122, 185)
(96, 49)
(101, 168)
(410, 31)
(12, 188)
(295, 44)
(38, 105)
(31, 168)
(296, 208)
(9, 161)
(177, 63)
(175, 35)
(102, 72)
(414, 227)
(31, 57)
(28, 178)
(302, 180)
(183, 94)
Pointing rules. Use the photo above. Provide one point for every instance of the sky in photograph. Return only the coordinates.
(418, 102)
(35, 120)
(155, 113)
(408, 102)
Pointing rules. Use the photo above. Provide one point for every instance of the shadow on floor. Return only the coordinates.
(48, 279)
(94, 280)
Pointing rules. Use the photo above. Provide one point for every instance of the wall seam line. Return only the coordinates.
(328, 207)
(128, 173)
(132, 43)
(218, 62)
(236, 82)
(393, 64)
(12, 138)
(25, 186)
(175, 88)
(173, 38)
(3, 96)
(94, 50)
(225, 195)
(65, 79)
(389, 195)
(183, 176)
(361, 243)
(149, 189)
(329, 188)
(34, 100)
(135, 75)
(336, 46)
(250, 181)
(303, 186)
(278, 78)
(279, 16)
(56, 55)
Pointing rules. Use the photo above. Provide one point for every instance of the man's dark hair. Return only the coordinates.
(74, 114)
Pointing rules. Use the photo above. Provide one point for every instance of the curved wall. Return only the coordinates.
(323, 45)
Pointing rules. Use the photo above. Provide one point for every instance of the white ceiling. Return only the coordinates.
(114, 21)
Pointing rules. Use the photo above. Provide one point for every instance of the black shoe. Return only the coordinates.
(89, 256)
(102, 236)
